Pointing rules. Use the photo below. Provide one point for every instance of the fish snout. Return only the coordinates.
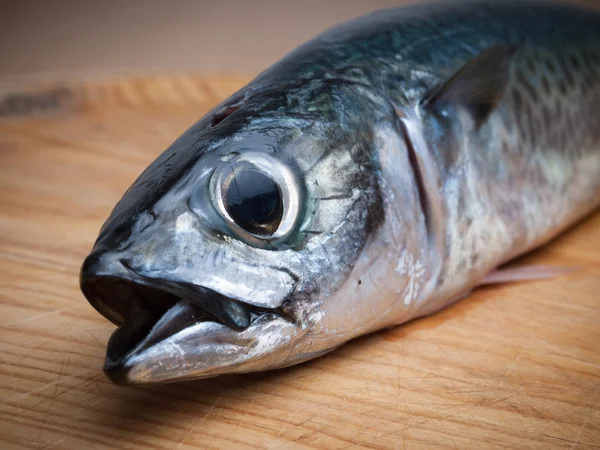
(100, 276)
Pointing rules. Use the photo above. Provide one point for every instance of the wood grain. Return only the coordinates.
(512, 366)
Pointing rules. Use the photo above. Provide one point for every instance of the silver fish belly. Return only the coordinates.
(375, 175)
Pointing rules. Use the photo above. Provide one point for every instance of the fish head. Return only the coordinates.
(225, 253)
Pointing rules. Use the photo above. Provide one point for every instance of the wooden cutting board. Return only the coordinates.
(512, 366)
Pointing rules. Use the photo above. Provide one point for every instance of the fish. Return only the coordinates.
(376, 174)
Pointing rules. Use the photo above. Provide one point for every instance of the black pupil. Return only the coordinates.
(253, 201)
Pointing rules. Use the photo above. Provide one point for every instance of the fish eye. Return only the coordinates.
(253, 201)
(257, 196)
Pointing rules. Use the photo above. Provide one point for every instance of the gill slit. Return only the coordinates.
(428, 184)
(430, 197)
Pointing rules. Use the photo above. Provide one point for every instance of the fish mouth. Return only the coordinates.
(149, 311)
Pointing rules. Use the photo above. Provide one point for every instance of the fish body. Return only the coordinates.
(374, 175)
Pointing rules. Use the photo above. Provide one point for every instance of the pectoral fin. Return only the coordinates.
(478, 86)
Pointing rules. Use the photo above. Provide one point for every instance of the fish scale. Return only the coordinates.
(538, 150)
(411, 152)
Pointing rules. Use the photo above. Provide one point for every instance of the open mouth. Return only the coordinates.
(149, 311)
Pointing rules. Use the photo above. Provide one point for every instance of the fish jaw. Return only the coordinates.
(172, 331)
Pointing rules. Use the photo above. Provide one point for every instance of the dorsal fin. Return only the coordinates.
(477, 86)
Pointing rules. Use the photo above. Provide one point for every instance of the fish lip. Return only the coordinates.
(209, 355)
(136, 303)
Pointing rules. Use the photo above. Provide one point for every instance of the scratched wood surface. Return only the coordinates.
(512, 366)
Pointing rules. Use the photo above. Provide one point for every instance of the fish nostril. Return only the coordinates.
(126, 263)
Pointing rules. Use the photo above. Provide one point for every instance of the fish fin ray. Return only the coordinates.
(525, 273)
(478, 86)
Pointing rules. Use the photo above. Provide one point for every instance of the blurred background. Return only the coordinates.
(71, 38)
